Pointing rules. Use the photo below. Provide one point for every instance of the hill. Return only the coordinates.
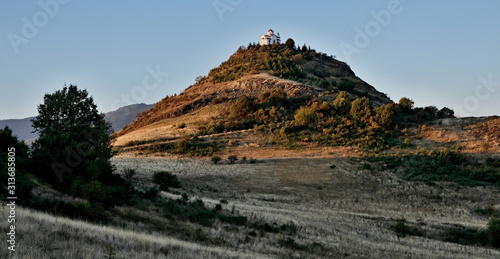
(280, 76)
(255, 69)
(125, 115)
(20, 127)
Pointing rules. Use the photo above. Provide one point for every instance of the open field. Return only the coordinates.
(348, 210)
(339, 210)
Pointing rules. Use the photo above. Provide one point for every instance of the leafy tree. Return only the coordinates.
(406, 104)
(73, 150)
(243, 106)
(277, 97)
(305, 116)
(166, 180)
(341, 103)
(385, 116)
(345, 84)
(446, 112)
(361, 109)
(290, 43)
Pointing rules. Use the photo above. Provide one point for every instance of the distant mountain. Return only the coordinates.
(121, 117)
(20, 128)
(126, 115)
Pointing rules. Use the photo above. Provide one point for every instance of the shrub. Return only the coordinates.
(242, 107)
(233, 220)
(129, 173)
(193, 211)
(215, 159)
(402, 230)
(195, 146)
(166, 180)
(232, 159)
(493, 232)
(305, 116)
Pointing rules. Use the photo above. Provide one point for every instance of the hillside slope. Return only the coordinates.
(255, 69)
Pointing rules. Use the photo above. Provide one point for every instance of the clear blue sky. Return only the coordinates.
(442, 53)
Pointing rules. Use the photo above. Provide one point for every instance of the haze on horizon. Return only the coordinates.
(125, 52)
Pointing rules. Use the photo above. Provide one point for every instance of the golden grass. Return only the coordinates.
(347, 210)
(40, 235)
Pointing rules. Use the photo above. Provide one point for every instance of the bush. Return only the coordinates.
(215, 159)
(233, 220)
(195, 146)
(166, 180)
(193, 211)
(402, 230)
(232, 159)
(129, 173)
(493, 232)
(305, 116)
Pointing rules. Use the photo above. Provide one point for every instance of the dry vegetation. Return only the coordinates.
(339, 209)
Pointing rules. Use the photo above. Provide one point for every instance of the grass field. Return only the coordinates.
(344, 211)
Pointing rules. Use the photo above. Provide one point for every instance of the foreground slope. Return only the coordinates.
(338, 210)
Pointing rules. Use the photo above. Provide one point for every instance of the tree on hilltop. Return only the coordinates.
(290, 43)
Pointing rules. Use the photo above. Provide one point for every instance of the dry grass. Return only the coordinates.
(41, 236)
(469, 133)
(347, 210)
(340, 211)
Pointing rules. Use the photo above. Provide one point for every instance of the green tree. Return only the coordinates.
(341, 103)
(305, 116)
(243, 106)
(166, 180)
(361, 109)
(446, 112)
(406, 104)
(290, 43)
(385, 116)
(73, 150)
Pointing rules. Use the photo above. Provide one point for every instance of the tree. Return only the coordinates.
(243, 106)
(73, 150)
(446, 112)
(406, 104)
(385, 115)
(290, 43)
(341, 103)
(166, 180)
(305, 116)
(361, 109)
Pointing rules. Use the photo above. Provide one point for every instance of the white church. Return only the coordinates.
(270, 38)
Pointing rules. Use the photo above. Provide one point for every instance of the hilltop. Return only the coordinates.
(254, 69)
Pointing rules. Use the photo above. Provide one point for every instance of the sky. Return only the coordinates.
(441, 53)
